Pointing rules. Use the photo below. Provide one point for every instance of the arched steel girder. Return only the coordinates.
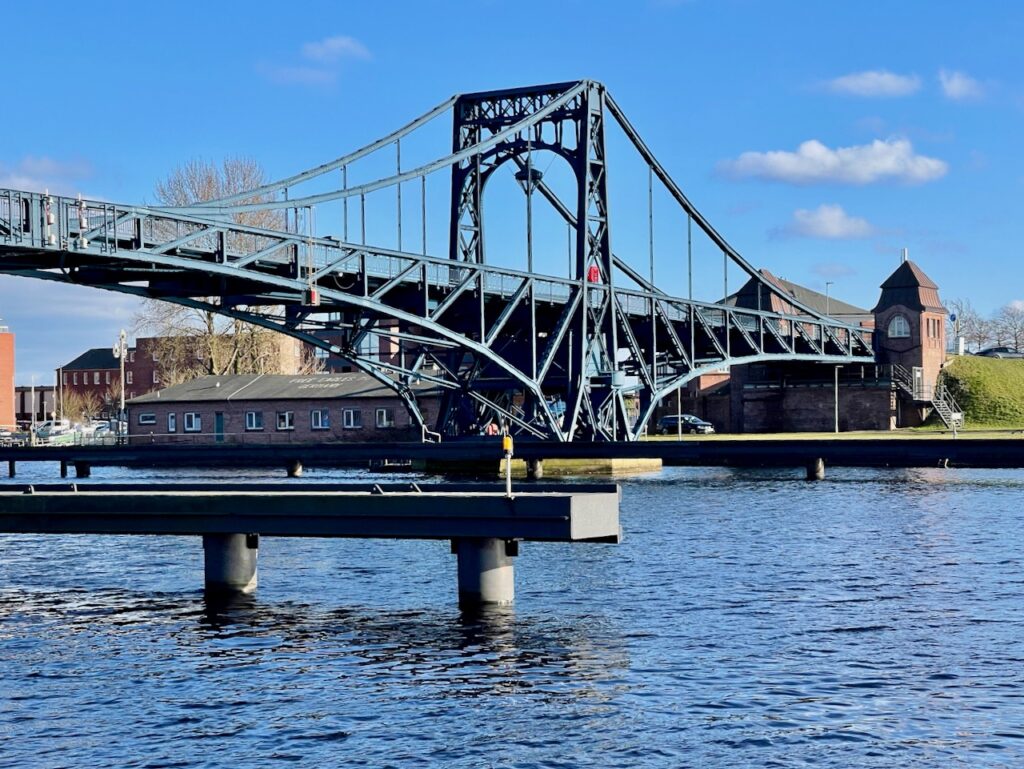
(256, 319)
(340, 298)
(744, 360)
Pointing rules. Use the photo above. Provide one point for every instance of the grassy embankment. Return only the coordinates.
(989, 390)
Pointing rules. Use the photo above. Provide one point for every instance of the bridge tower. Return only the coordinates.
(575, 131)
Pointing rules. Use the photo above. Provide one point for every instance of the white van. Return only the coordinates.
(52, 427)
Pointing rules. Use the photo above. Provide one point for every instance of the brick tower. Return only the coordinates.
(910, 330)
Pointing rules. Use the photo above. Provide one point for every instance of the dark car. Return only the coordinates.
(1000, 352)
(688, 422)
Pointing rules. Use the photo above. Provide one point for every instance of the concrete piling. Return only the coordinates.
(63, 468)
(816, 469)
(486, 575)
(82, 470)
(534, 469)
(294, 468)
(230, 562)
(10, 468)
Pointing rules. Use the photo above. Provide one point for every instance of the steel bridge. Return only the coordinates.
(584, 356)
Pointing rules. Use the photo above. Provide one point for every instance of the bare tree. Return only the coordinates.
(81, 406)
(977, 331)
(190, 341)
(1009, 324)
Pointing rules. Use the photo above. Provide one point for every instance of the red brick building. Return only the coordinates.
(95, 375)
(267, 408)
(7, 419)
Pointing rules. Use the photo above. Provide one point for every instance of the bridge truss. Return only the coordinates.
(585, 356)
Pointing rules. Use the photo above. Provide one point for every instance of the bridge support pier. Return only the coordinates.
(63, 468)
(11, 471)
(816, 469)
(230, 562)
(294, 468)
(535, 469)
(486, 575)
(82, 470)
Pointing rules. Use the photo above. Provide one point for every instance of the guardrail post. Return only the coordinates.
(486, 575)
(230, 562)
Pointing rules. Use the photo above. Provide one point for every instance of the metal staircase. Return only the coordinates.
(938, 396)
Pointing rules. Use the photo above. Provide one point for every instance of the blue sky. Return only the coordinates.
(819, 138)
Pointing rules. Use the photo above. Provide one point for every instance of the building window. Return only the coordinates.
(172, 423)
(385, 418)
(253, 420)
(193, 422)
(147, 419)
(128, 377)
(106, 377)
(319, 419)
(65, 379)
(899, 328)
(95, 377)
(352, 419)
(285, 420)
(131, 356)
(156, 378)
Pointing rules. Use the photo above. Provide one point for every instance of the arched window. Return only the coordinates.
(898, 327)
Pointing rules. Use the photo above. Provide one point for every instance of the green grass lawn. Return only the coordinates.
(989, 390)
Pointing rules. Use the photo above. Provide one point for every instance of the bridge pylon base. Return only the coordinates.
(230, 562)
(486, 574)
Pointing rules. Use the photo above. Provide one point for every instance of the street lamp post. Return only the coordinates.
(121, 352)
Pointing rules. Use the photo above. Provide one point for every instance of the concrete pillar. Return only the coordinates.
(534, 469)
(486, 575)
(294, 469)
(10, 468)
(63, 468)
(82, 470)
(816, 469)
(230, 561)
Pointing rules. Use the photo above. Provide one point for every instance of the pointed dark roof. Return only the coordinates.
(749, 296)
(96, 358)
(910, 287)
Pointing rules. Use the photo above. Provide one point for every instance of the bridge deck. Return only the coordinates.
(395, 511)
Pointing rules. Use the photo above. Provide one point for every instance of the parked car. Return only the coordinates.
(688, 422)
(51, 428)
(1000, 352)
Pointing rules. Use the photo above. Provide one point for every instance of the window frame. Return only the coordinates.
(892, 332)
(147, 418)
(324, 421)
(172, 422)
(389, 418)
(288, 419)
(255, 424)
(192, 422)
(352, 419)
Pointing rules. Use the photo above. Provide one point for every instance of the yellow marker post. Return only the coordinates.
(506, 445)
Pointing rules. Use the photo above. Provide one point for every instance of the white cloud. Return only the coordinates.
(324, 57)
(959, 86)
(813, 162)
(36, 174)
(332, 49)
(878, 82)
(830, 222)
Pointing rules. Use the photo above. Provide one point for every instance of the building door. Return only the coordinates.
(218, 426)
(919, 393)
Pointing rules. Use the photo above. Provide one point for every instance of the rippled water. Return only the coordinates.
(748, 619)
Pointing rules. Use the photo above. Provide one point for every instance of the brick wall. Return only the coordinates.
(7, 380)
(234, 421)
